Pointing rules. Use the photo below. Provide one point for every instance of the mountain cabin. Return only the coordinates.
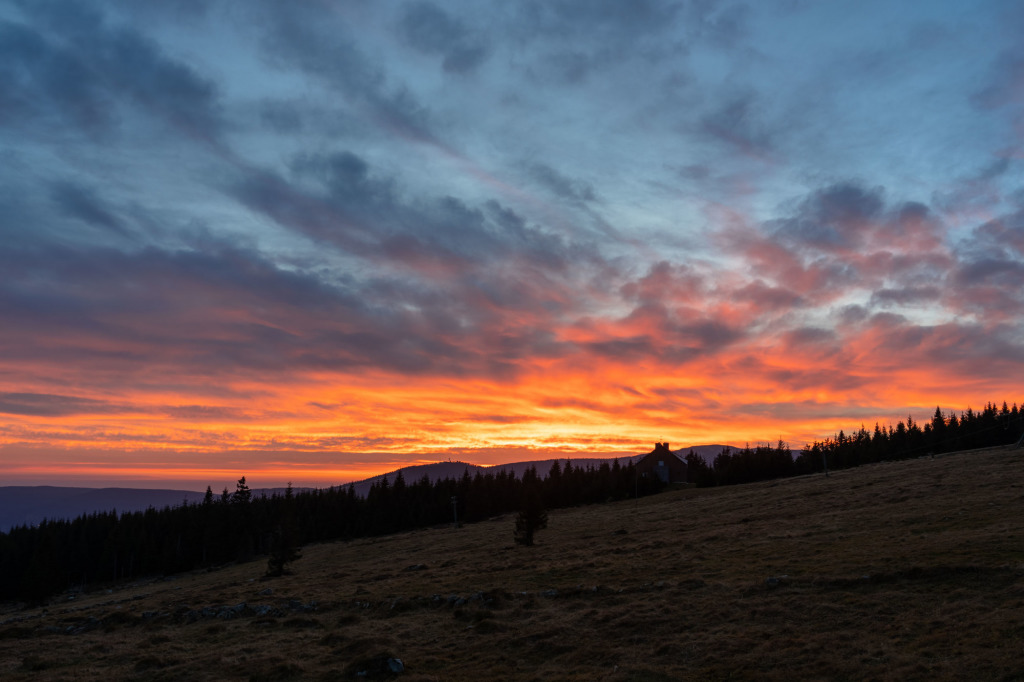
(663, 463)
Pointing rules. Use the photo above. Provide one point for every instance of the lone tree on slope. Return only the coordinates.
(531, 518)
(285, 538)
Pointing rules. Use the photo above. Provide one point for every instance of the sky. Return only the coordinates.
(315, 241)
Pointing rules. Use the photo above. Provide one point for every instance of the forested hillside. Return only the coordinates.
(236, 526)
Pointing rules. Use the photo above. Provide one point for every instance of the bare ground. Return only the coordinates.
(896, 571)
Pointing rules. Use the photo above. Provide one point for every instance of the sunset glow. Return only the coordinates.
(313, 242)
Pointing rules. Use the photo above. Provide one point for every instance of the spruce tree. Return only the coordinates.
(242, 493)
(532, 517)
(284, 540)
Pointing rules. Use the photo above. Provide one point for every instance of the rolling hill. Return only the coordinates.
(28, 505)
(895, 571)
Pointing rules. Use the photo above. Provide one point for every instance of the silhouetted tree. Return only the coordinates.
(284, 539)
(532, 517)
(242, 493)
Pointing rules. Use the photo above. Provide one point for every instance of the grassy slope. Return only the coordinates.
(907, 570)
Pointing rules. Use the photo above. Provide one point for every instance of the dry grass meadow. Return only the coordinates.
(896, 571)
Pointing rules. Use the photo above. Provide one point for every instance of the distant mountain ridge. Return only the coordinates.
(29, 505)
(440, 470)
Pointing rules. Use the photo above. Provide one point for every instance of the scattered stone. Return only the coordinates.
(84, 626)
(265, 610)
(229, 612)
(415, 567)
(549, 593)
(381, 666)
(267, 592)
(297, 605)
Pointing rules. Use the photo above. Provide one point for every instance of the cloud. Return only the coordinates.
(569, 42)
(41, 81)
(562, 186)
(1006, 83)
(738, 122)
(833, 218)
(86, 205)
(431, 30)
(338, 199)
(71, 65)
(400, 220)
(766, 297)
(48, 405)
(607, 18)
(297, 38)
(905, 296)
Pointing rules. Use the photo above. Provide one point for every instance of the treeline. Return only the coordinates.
(944, 433)
(92, 549)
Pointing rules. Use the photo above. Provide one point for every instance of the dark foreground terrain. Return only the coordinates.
(894, 571)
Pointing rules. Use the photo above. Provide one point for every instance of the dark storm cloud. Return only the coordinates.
(71, 64)
(431, 30)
